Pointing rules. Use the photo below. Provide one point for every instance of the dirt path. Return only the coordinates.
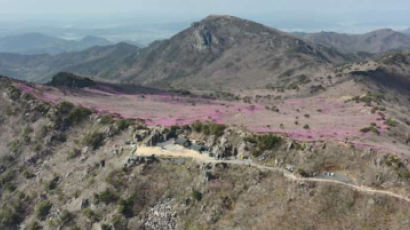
(177, 151)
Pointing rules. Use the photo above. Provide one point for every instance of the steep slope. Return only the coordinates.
(43, 67)
(374, 42)
(64, 167)
(35, 43)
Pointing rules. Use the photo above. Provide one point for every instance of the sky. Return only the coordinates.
(352, 16)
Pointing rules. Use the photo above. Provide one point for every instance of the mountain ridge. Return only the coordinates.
(37, 43)
(374, 42)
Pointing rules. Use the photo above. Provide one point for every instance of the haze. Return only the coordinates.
(148, 20)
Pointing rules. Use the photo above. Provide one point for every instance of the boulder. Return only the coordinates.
(199, 147)
(181, 140)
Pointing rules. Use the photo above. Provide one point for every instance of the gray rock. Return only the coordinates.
(85, 203)
(199, 147)
(161, 216)
(181, 140)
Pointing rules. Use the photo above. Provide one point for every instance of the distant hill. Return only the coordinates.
(407, 31)
(42, 67)
(374, 42)
(36, 43)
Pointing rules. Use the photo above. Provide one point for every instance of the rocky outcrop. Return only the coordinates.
(161, 216)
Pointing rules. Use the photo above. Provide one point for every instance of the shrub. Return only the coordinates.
(217, 129)
(206, 130)
(263, 143)
(197, 126)
(123, 124)
(9, 217)
(126, 206)
(28, 175)
(14, 93)
(306, 126)
(106, 120)
(91, 215)
(7, 177)
(65, 216)
(73, 154)
(78, 114)
(43, 208)
(302, 172)
(44, 129)
(27, 97)
(64, 107)
(51, 185)
(116, 178)
(26, 134)
(37, 147)
(105, 227)
(370, 129)
(106, 196)
(266, 142)
(42, 108)
(391, 123)
(196, 195)
(250, 139)
(94, 139)
(34, 226)
(14, 146)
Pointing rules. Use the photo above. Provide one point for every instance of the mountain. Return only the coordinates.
(217, 53)
(42, 67)
(374, 42)
(222, 52)
(36, 43)
(407, 31)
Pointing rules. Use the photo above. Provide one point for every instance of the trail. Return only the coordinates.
(177, 151)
